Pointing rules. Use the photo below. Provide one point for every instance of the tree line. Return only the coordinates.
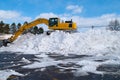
(12, 28)
(114, 25)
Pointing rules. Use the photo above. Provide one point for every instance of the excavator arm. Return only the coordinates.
(25, 27)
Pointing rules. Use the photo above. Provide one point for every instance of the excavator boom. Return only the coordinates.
(27, 26)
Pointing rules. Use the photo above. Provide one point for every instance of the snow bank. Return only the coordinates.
(90, 42)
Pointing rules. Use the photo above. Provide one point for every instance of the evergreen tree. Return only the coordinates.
(40, 30)
(18, 25)
(1, 27)
(6, 29)
(35, 30)
(13, 28)
(26, 31)
(1, 23)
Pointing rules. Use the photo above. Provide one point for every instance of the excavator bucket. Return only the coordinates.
(1, 43)
(4, 42)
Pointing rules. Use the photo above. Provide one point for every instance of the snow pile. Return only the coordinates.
(90, 42)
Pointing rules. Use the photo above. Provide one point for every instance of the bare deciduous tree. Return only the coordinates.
(114, 25)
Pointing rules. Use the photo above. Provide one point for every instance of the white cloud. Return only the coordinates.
(82, 21)
(8, 14)
(75, 8)
(46, 15)
(12, 16)
(102, 20)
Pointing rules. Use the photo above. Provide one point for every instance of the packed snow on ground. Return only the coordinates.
(4, 74)
(100, 44)
(5, 36)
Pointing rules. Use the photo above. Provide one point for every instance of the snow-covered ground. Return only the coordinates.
(102, 45)
(5, 36)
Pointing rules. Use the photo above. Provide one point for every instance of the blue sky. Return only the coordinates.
(80, 10)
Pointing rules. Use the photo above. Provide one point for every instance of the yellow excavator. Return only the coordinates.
(52, 23)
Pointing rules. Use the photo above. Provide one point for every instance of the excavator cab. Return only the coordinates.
(53, 22)
(57, 24)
